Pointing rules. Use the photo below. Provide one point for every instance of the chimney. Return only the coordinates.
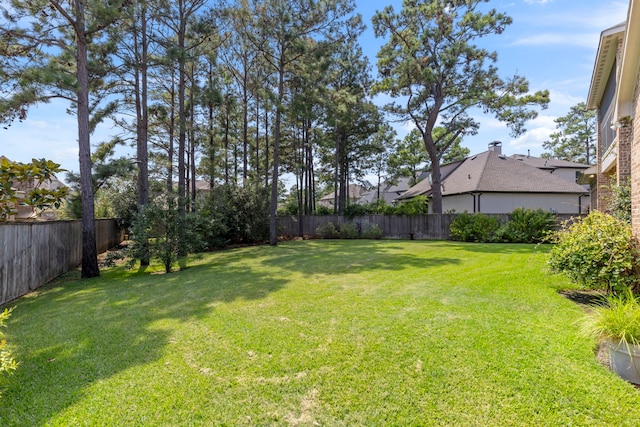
(495, 146)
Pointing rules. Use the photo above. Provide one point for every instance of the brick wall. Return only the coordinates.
(634, 128)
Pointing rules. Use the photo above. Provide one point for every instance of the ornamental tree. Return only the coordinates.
(438, 75)
(30, 178)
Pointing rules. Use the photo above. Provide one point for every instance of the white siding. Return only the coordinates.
(507, 202)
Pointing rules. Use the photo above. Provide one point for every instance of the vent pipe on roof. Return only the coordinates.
(495, 146)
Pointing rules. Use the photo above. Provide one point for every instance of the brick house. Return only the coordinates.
(613, 150)
(615, 94)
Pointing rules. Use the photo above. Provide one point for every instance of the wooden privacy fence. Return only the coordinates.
(420, 227)
(34, 253)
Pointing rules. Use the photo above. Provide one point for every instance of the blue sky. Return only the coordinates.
(552, 43)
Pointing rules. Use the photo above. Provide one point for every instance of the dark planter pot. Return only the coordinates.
(625, 361)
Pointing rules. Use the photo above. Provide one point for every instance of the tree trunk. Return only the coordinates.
(273, 208)
(89, 251)
(142, 120)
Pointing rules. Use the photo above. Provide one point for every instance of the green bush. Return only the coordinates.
(619, 204)
(327, 231)
(475, 227)
(235, 215)
(354, 210)
(323, 210)
(528, 226)
(349, 231)
(372, 232)
(7, 362)
(597, 252)
(416, 206)
(160, 232)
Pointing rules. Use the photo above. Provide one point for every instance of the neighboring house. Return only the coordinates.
(389, 192)
(355, 193)
(490, 182)
(570, 171)
(613, 86)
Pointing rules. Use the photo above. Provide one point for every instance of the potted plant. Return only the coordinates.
(617, 321)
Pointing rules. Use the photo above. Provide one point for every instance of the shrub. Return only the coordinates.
(7, 362)
(528, 226)
(619, 204)
(354, 209)
(160, 232)
(349, 231)
(475, 227)
(232, 214)
(323, 210)
(372, 232)
(596, 252)
(416, 206)
(327, 231)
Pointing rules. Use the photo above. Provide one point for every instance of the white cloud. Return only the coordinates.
(537, 1)
(539, 131)
(586, 40)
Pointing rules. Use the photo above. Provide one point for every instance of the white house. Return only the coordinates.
(490, 182)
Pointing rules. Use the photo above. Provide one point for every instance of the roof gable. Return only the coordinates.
(607, 50)
(493, 172)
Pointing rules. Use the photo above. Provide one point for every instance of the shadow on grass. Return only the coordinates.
(76, 333)
(335, 257)
(500, 248)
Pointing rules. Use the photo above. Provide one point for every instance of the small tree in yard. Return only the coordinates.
(160, 232)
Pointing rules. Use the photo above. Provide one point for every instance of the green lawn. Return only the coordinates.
(352, 333)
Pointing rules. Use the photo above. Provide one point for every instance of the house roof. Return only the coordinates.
(492, 172)
(626, 87)
(424, 187)
(354, 191)
(542, 163)
(604, 61)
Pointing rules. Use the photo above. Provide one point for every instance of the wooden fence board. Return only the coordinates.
(34, 253)
(420, 227)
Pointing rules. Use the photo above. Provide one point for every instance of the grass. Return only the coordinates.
(335, 333)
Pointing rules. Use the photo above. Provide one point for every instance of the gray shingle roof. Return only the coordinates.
(541, 163)
(492, 172)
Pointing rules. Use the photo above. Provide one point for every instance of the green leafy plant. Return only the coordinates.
(619, 203)
(617, 320)
(597, 252)
(528, 226)
(416, 206)
(31, 177)
(327, 231)
(372, 232)
(355, 209)
(475, 227)
(349, 231)
(7, 362)
(160, 232)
